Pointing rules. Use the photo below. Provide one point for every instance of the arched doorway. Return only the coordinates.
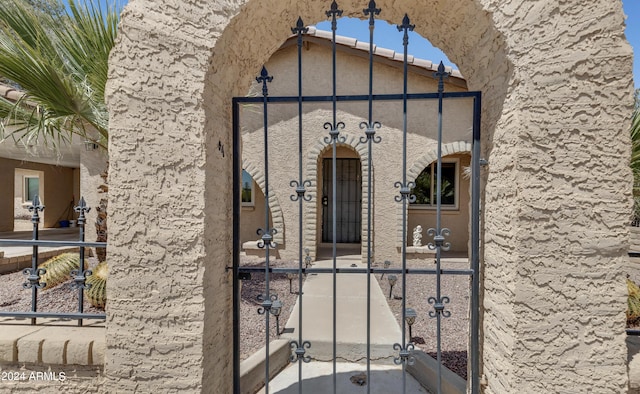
(348, 198)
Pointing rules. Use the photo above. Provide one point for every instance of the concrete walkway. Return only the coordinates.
(13, 258)
(351, 316)
(351, 313)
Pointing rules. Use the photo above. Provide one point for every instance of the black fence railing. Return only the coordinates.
(33, 274)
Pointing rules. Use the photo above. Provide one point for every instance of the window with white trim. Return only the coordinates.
(248, 191)
(425, 189)
(31, 188)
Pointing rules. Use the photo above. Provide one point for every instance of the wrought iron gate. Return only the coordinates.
(439, 312)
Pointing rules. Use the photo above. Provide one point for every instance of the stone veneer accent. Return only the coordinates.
(416, 168)
(257, 173)
(557, 95)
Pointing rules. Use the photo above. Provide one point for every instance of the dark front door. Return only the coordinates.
(348, 200)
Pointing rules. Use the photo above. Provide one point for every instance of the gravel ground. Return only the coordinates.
(454, 329)
(252, 324)
(62, 298)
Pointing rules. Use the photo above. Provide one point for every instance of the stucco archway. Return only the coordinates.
(557, 93)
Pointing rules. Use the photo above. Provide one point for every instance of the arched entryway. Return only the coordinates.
(348, 198)
(556, 196)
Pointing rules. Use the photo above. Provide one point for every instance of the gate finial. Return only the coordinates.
(263, 79)
(300, 29)
(334, 13)
(441, 74)
(371, 11)
(406, 26)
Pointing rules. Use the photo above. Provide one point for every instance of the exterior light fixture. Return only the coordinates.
(291, 276)
(387, 263)
(392, 282)
(276, 309)
(90, 145)
(410, 317)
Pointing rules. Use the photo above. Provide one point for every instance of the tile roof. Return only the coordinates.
(382, 52)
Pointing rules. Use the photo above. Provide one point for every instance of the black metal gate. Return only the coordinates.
(370, 136)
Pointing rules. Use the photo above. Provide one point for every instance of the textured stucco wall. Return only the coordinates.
(387, 155)
(556, 80)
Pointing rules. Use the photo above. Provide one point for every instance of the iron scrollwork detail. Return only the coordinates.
(334, 132)
(370, 132)
(267, 238)
(33, 278)
(405, 192)
(299, 351)
(439, 239)
(405, 354)
(300, 190)
(79, 279)
(34, 208)
(266, 302)
(439, 307)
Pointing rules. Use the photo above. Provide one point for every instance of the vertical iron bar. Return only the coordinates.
(371, 11)
(333, 14)
(35, 219)
(405, 27)
(236, 246)
(80, 276)
(300, 29)
(440, 74)
(475, 248)
(267, 233)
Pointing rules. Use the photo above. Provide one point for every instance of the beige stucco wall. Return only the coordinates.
(387, 155)
(455, 219)
(557, 94)
(56, 188)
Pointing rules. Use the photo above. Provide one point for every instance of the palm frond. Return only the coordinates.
(60, 62)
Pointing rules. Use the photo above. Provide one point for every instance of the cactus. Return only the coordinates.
(97, 292)
(58, 269)
(633, 311)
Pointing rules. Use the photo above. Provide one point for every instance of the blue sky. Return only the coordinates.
(387, 36)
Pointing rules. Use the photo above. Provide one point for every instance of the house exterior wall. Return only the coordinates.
(57, 191)
(557, 95)
(387, 155)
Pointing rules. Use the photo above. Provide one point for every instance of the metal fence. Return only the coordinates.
(33, 274)
(404, 348)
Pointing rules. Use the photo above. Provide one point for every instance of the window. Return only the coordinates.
(247, 189)
(31, 188)
(425, 190)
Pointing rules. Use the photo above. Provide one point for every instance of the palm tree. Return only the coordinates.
(59, 61)
(58, 58)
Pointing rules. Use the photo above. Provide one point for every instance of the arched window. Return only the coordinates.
(425, 190)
